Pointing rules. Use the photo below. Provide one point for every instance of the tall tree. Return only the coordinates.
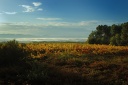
(124, 34)
(115, 35)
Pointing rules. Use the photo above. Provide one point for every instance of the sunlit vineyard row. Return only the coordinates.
(78, 50)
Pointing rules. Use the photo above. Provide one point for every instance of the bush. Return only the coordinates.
(11, 54)
(13, 61)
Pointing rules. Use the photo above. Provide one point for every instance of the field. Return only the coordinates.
(63, 64)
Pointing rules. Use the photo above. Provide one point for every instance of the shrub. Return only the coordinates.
(11, 54)
(13, 61)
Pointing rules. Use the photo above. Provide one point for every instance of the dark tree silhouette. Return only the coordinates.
(114, 35)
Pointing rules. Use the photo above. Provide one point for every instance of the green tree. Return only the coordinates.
(124, 34)
(100, 36)
(113, 40)
(115, 29)
(115, 35)
(118, 39)
(92, 38)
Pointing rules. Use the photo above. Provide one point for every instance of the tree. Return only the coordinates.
(113, 40)
(100, 36)
(118, 39)
(115, 35)
(124, 34)
(115, 29)
(92, 38)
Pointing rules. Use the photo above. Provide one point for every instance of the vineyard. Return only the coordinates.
(74, 49)
(63, 64)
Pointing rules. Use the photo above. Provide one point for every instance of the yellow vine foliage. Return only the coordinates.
(77, 49)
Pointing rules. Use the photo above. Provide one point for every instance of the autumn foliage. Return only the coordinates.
(72, 64)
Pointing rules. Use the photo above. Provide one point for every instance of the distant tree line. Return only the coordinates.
(114, 35)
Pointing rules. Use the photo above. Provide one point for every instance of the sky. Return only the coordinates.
(58, 18)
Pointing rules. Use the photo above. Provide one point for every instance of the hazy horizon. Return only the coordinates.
(44, 39)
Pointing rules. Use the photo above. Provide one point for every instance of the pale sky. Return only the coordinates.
(59, 18)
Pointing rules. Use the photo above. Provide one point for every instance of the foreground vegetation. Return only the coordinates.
(63, 64)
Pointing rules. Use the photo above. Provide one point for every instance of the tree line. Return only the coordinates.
(114, 35)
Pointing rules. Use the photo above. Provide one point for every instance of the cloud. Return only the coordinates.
(9, 13)
(18, 28)
(81, 24)
(40, 9)
(27, 8)
(44, 29)
(51, 22)
(50, 28)
(86, 23)
(49, 19)
(36, 4)
(55, 23)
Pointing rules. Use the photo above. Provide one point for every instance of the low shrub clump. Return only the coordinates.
(13, 61)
